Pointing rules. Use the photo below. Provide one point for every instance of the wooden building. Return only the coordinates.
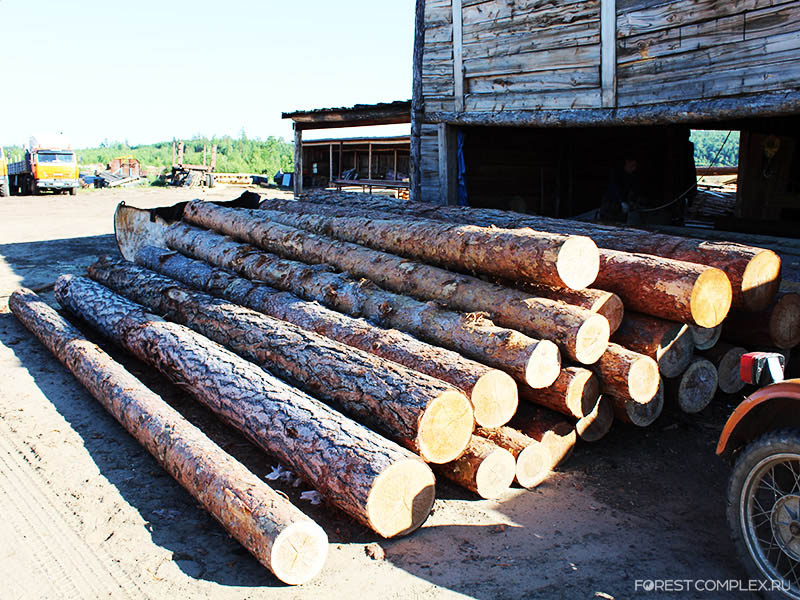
(539, 105)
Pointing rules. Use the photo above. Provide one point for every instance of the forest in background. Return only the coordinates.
(707, 143)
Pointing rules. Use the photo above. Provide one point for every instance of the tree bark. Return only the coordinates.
(575, 393)
(594, 426)
(493, 393)
(428, 416)
(534, 460)
(485, 468)
(272, 529)
(627, 375)
(548, 428)
(778, 325)
(580, 333)
(555, 259)
(726, 358)
(705, 337)
(536, 363)
(638, 413)
(695, 388)
(753, 272)
(670, 344)
(378, 483)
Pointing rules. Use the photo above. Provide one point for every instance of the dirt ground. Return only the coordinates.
(87, 513)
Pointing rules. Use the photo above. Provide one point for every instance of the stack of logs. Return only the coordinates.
(402, 340)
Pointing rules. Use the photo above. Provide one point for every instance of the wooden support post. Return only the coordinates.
(341, 158)
(298, 161)
(417, 108)
(458, 55)
(608, 52)
(369, 161)
(330, 164)
(396, 178)
(447, 165)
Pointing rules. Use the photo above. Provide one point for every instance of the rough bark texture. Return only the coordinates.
(493, 393)
(726, 358)
(753, 272)
(778, 325)
(627, 375)
(705, 337)
(580, 333)
(374, 480)
(534, 460)
(427, 415)
(575, 393)
(670, 344)
(548, 428)
(598, 423)
(695, 388)
(554, 259)
(272, 529)
(485, 468)
(530, 361)
(638, 413)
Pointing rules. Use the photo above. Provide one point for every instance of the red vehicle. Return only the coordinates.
(762, 436)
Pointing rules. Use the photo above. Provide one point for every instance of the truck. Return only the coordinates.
(47, 165)
(4, 188)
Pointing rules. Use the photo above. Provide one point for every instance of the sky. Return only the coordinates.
(149, 71)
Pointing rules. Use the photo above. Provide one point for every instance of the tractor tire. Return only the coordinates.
(764, 512)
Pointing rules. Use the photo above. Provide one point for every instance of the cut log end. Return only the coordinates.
(401, 498)
(784, 324)
(583, 393)
(697, 386)
(544, 365)
(643, 378)
(711, 298)
(446, 427)
(641, 414)
(675, 351)
(705, 337)
(534, 465)
(494, 399)
(299, 552)
(496, 473)
(595, 425)
(591, 340)
(578, 262)
(611, 307)
(728, 373)
(760, 281)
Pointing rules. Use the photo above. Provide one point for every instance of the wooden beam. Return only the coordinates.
(608, 52)
(458, 55)
(417, 104)
(298, 161)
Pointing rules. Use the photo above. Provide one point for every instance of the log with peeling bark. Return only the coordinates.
(485, 468)
(638, 413)
(264, 521)
(493, 393)
(574, 393)
(754, 272)
(534, 459)
(427, 415)
(378, 483)
(705, 337)
(695, 388)
(726, 358)
(778, 325)
(594, 426)
(562, 260)
(534, 362)
(670, 344)
(549, 428)
(579, 332)
(627, 375)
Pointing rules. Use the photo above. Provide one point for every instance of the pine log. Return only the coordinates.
(536, 363)
(705, 337)
(272, 529)
(637, 413)
(493, 393)
(580, 333)
(427, 415)
(574, 393)
(778, 325)
(753, 272)
(485, 468)
(695, 388)
(670, 344)
(561, 260)
(548, 428)
(671, 289)
(598, 423)
(378, 483)
(627, 375)
(534, 460)
(726, 358)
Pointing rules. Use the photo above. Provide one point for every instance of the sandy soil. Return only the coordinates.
(88, 513)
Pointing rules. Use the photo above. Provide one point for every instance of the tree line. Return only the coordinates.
(708, 143)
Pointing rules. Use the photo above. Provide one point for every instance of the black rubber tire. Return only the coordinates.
(771, 443)
(5, 190)
(73, 191)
